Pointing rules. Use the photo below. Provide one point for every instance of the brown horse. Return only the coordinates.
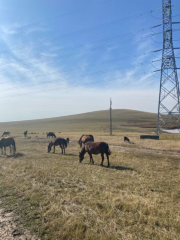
(95, 148)
(67, 140)
(85, 138)
(58, 141)
(7, 142)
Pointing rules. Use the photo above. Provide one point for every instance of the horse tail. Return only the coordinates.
(14, 145)
(108, 150)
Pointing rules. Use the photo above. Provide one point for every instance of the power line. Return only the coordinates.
(87, 50)
(61, 15)
(79, 31)
(84, 44)
(82, 75)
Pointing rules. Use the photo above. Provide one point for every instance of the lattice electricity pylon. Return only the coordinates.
(168, 108)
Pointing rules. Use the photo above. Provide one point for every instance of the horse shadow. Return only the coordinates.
(16, 155)
(71, 154)
(66, 154)
(119, 168)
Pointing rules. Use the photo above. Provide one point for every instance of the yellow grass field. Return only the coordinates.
(136, 198)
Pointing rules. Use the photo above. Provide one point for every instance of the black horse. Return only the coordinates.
(7, 142)
(58, 141)
(50, 134)
(126, 139)
(25, 133)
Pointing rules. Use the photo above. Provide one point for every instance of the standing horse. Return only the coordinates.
(50, 134)
(67, 140)
(6, 133)
(25, 133)
(85, 138)
(95, 148)
(7, 142)
(58, 141)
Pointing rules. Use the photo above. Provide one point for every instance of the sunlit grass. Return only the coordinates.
(137, 198)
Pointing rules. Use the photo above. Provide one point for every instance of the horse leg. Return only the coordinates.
(54, 149)
(10, 149)
(91, 158)
(102, 155)
(64, 149)
(2, 150)
(107, 159)
(61, 149)
(5, 150)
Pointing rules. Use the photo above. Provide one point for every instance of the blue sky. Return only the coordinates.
(63, 57)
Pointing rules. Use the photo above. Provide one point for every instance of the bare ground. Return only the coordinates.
(10, 229)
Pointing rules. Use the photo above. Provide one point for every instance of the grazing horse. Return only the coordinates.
(95, 148)
(6, 133)
(58, 141)
(25, 133)
(7, 142)
(50, 134)
(126, 139)
(67, 140)
(85, 138)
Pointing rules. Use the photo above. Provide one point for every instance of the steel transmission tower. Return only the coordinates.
(168, 108)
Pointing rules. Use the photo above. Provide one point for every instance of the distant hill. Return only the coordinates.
(91, 121)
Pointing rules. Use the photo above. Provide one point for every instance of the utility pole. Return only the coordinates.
(168, 107)
(110, 117)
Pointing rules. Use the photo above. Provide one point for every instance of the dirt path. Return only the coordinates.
(10, 228)
(146, 150)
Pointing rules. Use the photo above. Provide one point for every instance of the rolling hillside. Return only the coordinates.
(91, 121)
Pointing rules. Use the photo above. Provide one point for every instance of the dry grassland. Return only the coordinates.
(59, 198)
(137, 198)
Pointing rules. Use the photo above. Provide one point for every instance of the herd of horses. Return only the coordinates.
(86, 143)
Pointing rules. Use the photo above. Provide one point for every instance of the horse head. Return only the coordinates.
(81, 156)
(49, 147)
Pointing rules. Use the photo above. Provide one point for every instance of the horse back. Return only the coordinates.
(7, 141)
(87, 138)
(97, 147)
(57, 141)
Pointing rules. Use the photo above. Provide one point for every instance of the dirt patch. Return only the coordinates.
(146, 150)
(10, 228)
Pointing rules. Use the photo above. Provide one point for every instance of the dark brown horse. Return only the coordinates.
(58, 141)
(7, 142)
(67, 140)
(6, 133)
(85, 138)
(95, 148)
(25, 133)
(50, 134)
